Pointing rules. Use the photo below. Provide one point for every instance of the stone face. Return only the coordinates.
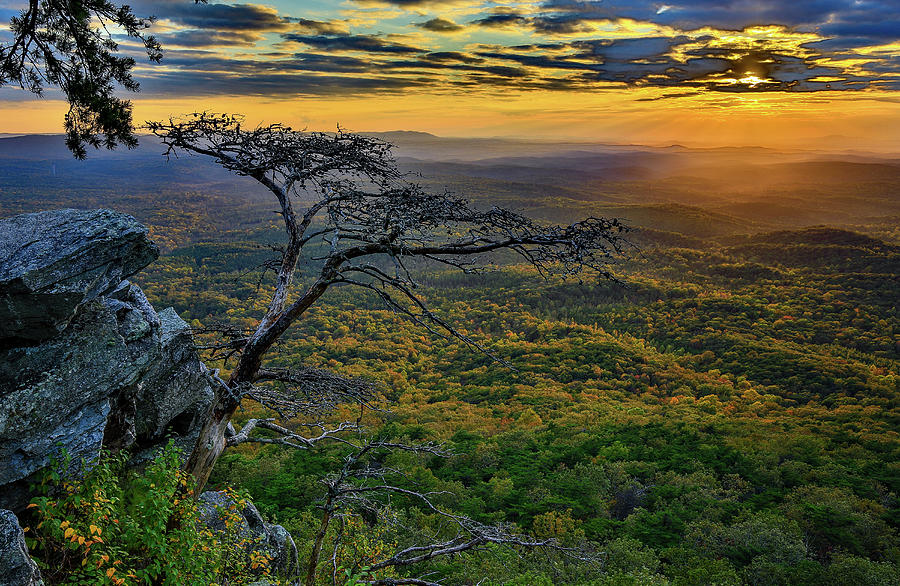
(52, 262)
(176, 385)
(58, 395)
(80, 366)
(86, 363)
(116, 374)
(273, 540)
(281, 546)
(16, 567)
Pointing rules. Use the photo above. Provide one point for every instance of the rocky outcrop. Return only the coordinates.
(85, 360)
(221, 513)
(53, 262)
(16, 568)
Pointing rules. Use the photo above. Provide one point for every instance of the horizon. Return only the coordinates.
(824, 150)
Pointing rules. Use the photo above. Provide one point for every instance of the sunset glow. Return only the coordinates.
(687, 71)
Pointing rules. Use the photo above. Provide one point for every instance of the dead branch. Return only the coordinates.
(354, 217)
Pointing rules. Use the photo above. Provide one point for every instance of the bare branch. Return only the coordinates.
(286, 437)
(354, 217)
(362, 484)
(309, 391)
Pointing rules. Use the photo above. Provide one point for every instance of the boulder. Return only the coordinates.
(176, 385)
(53, 262)
(57, 395)
(221, 513)
(16, 567)
(114, 373)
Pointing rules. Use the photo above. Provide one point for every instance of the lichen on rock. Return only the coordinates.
(274, 541)
(53, 262)
(86, 363)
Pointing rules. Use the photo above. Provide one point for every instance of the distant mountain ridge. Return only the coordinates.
(699, 193)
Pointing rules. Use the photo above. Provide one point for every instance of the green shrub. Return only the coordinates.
(849, 570)
(115, 526)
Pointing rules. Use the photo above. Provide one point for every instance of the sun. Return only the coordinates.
(752, 80)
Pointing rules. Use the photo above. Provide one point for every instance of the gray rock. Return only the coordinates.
(116, 375)
(273, 540)
(177, 385)
(52, 262)
(213, 505)
(57, 395)
(283, 550)
(16, 567)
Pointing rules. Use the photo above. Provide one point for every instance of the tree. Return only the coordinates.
(70, 44)
(352, 216)
(363, 487)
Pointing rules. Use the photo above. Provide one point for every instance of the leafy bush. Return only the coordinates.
(849, 570)
(115, 526)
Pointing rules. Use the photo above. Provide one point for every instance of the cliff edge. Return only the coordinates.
(85, 360)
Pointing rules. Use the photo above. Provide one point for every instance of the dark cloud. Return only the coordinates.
(542, 61)
(329, 63)
(496, 70)
(650, 62)
(366, 43)
(502, 20)
(440, 25)
(237, 17)
(444, 56)
(403, 3)
(692, 14)
(629, 49)
(669, 96)
(888, 30)
(209, 83)
(209, 38)
(318, 27)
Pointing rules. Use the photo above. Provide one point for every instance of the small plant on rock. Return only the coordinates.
(114, 526)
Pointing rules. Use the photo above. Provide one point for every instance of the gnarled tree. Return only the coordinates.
(351, 215)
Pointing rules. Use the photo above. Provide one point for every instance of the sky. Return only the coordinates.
(797, 73)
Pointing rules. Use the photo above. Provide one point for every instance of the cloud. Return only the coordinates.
(502, 20)
(236, 17)
(209, 38)
(365, 43)
(444, 56)
(419, 4)
(281, 85)
(318, 27)
(440, 25)
(688, 14)
(561, 45)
